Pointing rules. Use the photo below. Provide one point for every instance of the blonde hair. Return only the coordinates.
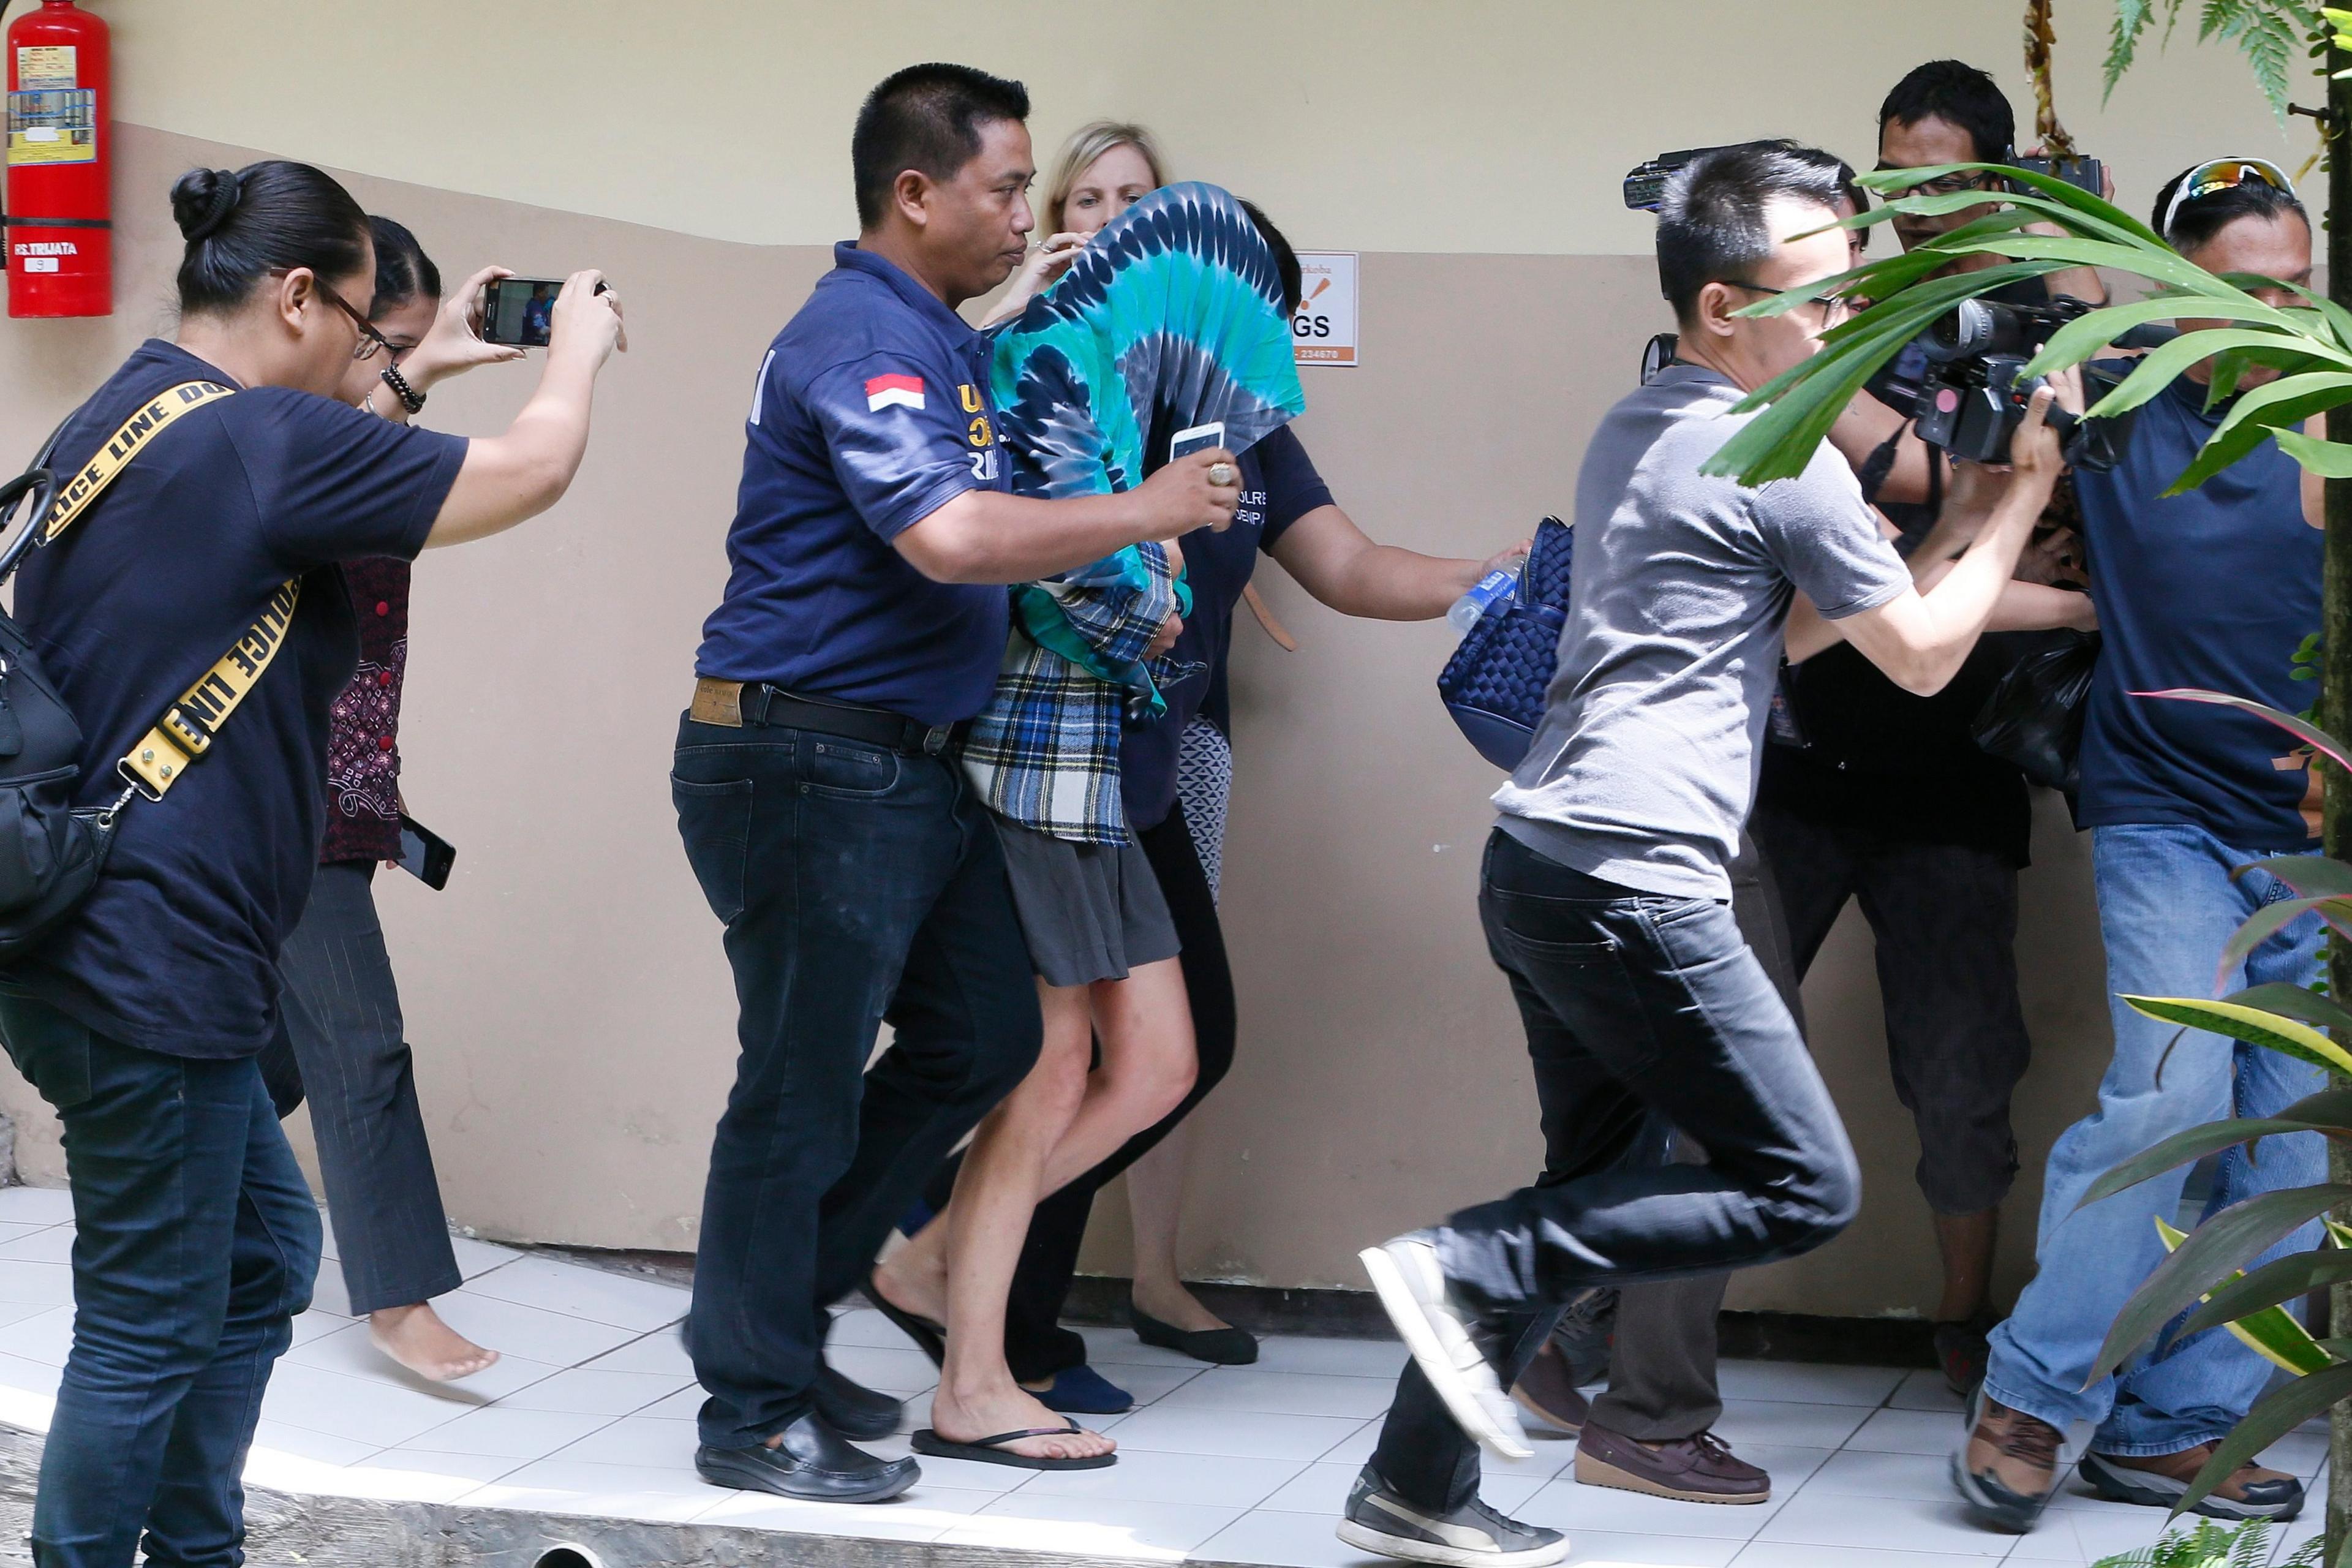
(1088, 142)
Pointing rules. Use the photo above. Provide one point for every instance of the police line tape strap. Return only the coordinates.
(75, 496)
(185, 734)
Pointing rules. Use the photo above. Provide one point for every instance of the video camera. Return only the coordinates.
(1972, 399)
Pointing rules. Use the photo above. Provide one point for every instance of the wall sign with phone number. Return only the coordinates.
(1324, 331)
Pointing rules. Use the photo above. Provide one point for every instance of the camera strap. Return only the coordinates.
(186, 732)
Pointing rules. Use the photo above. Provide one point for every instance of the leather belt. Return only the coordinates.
(733, 704)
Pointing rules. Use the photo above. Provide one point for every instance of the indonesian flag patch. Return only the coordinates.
(894, 390)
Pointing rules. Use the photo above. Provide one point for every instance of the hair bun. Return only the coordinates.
(202, 200)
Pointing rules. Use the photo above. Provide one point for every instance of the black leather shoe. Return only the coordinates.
(852, 1409)
(813, 1462)
(1219, 1347)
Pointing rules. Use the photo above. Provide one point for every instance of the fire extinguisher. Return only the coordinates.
(57, 218)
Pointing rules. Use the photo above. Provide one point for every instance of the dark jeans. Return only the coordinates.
(1662, 1366)
(1036, 1346)
(1943, 919)
(339, 1038)
(857, 887)
(196, 1243)
(1637, 1008)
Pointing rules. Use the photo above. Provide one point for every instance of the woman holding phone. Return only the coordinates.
(339, 1036)
(1176, 771)
(140, 1016)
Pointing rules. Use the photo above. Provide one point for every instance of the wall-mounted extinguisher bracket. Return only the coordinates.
(56, 217)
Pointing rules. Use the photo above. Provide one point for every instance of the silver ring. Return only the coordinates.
(1221, 473)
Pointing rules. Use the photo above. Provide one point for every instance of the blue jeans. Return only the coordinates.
(2167, 906)
(196, 1242)
(859, 886)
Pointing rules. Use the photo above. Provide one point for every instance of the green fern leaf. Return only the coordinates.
(2123, 45)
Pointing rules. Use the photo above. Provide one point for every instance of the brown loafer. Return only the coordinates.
(1547, 1391)
(1697, 1469)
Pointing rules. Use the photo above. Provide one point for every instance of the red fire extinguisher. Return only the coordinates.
(56, 217)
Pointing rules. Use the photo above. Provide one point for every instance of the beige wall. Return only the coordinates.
(567, 995)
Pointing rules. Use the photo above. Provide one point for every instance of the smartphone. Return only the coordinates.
(518, 311)
(425, 854)
(1198, 438)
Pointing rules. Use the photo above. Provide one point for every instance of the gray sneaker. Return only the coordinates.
(1471, 1536)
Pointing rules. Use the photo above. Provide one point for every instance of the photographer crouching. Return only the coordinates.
(2215, 589)
(1605, 897)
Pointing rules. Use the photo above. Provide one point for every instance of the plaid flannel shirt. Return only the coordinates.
(1045, 752)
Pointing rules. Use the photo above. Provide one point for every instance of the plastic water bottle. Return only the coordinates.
(1495, 588)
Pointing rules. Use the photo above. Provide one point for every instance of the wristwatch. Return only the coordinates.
(410, 399)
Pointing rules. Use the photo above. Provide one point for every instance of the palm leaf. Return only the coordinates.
(2302, 729)
(2329, 459)
(2220, 1246)
(2272, 1417)
(2188, 1147)
(2278, 1281)
(2252, 1024)
(2272, 918)
(2295, 1001)
(2272, 1332)
(2313, 876)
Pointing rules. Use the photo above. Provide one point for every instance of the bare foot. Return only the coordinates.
(1177, 1307)
(418, 1340)
(1005, 1407)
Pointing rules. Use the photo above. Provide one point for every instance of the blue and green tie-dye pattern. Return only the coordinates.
(1170, 318)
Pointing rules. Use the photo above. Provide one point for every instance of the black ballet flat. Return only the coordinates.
(1219, 1347)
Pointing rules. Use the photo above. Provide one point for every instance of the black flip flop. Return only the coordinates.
(991, 1450)
(929, 1337)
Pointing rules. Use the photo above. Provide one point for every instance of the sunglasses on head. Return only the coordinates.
(2223, 174)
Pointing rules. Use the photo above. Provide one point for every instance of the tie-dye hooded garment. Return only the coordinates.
(1170, 318)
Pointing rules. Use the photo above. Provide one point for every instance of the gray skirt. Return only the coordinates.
(1089, 912)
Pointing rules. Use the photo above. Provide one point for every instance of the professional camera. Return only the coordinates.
(1971, 399)
(1645, 187)
(2083, 174)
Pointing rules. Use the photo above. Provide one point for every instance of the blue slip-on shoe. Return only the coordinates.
(1083, 1391)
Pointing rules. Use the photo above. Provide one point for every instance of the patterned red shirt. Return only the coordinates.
(364, 748)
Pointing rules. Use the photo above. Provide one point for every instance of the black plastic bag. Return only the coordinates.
(2033, 716)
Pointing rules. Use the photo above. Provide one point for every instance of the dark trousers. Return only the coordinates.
(339, 1040)
(1036, 1346)
(196, 1245)
(857, 887)
(1662, 1366)
(1638, 1008)
(1943, 919)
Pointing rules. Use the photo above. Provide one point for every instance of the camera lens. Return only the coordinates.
(1967, 329)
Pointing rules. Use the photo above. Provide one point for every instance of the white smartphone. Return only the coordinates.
(1198, 438)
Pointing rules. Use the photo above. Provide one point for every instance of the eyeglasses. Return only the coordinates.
(1941, 186)
(371, 342)
(1835, 308)
(2223, 174)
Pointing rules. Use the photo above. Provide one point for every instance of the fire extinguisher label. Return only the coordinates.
(53, 126)
(45, 65)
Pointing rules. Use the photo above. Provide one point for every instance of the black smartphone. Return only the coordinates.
(425, 854)
(519, 310)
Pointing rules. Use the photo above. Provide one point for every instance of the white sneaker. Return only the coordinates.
(1411, 1287)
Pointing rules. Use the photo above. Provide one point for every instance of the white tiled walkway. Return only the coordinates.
(592, 1412)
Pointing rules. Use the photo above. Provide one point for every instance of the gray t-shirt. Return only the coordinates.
(1644, 766)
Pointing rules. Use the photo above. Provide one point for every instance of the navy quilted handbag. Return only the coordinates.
(1495, 683)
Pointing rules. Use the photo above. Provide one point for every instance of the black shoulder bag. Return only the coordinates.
(51, 851)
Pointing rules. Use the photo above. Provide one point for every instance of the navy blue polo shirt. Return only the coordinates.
(872, 411)
(2215, 589)
(176, 949)
(1279, 485)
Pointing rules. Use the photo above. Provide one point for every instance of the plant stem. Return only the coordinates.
(2336, 709)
